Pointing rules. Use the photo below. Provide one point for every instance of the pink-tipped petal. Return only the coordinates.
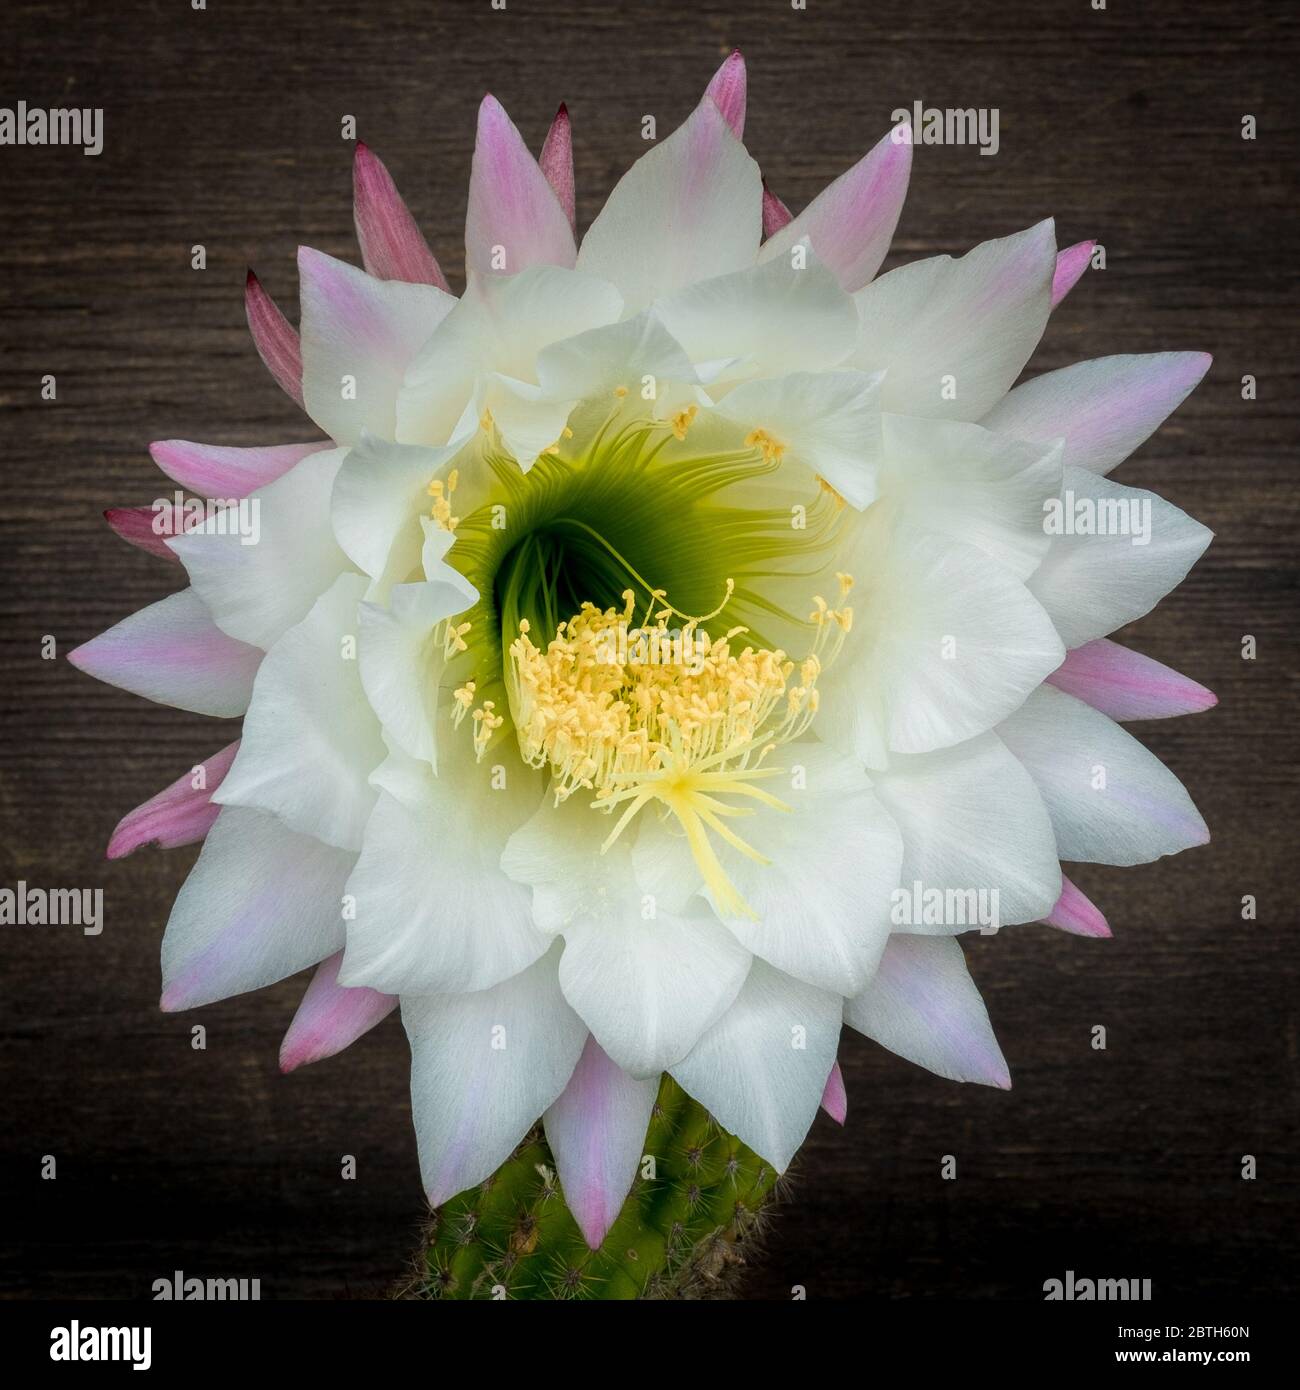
(1127, 685)
(596, 1131)
(514, 218)
(1104, 408)
(174, 653)
(180, 814)
(727, 91)
(835, 1099)
(557, 163)
(366, 331)
(851, 223)
(923, 1005)
(1075, 914)
(218, 470)
(775, 213)
(275, 337)
(261, 904)
(688, 210)
(331, 1017)
(392, 246)
(1070, 265)
(136, 526)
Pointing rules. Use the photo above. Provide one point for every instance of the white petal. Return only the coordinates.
(401, 657)
(760, 1071)
(527, 421)
(769, 318)
(310, 738)
(648, 988)
(980, 488)
(688, 209)
(1093, 584)
(944, 644)
(500, 325)
(851, 222)
(434, 911)
(260, 904)
(953, 335)
(828, 422)
(647, 980)
(1103, 409)
(1111, 801)
(380, 495)
(514, 219)
(172, 652)
(971, 818)
(924, 1006)
(557, 853)
(619, 354)
(597, 1132)
(822, 900)
(484, 1068)
(257, 592)
(358, 335)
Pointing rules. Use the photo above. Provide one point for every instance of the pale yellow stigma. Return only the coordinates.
(441, 494)
(771, 449)
(645, 714)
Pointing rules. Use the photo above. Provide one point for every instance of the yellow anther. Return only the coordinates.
(771, 449)
(620, 391)
(486, 723)
(683, 420)
(441, 494)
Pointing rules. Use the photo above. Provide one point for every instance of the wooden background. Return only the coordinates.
(222, 127)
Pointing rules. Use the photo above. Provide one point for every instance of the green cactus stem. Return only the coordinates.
(687, 1229)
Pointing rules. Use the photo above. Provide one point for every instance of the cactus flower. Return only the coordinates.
(676, 642)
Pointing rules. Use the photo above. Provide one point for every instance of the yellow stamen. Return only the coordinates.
(441, 495)
(645, 715)
(771, 449)
(683, 420)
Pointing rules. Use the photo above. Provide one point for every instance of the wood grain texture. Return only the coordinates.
(222, 127)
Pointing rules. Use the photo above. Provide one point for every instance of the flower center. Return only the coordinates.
(670, 716)
(621, 502)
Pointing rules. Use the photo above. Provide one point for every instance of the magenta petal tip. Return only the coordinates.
(275, 338)
(1070, 265)
(727, 91)
(835, 1099)
(1074, 913)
